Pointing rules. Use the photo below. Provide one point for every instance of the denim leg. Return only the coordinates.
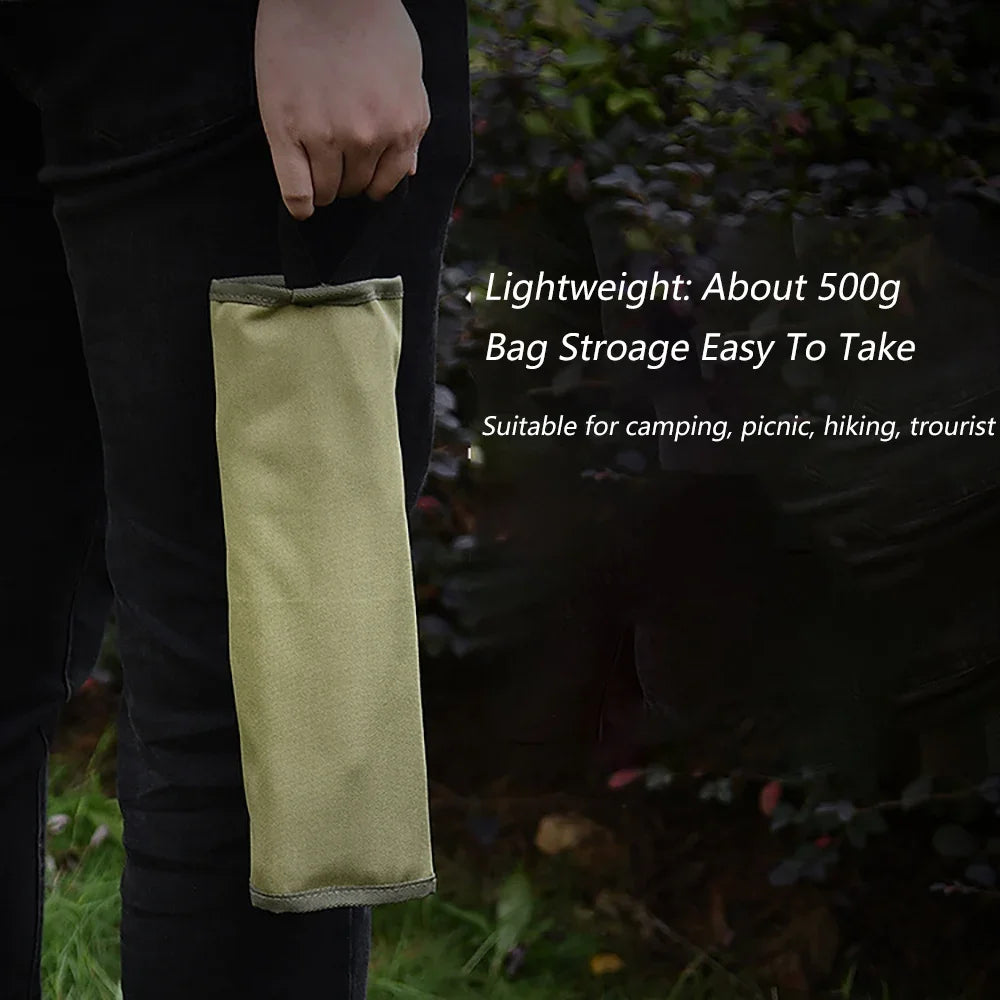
(53, 587)
(152, 201)
(142, 248)
(162, 180)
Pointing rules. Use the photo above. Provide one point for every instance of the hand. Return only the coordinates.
(341, 97)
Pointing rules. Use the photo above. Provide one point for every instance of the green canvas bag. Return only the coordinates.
(322, 625)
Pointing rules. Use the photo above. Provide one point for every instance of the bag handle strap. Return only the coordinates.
(337, 243)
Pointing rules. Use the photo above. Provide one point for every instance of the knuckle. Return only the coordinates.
(329, 135)
(417, 130)
(318, 135)
(294, 128)
(364, 137)
(287, 113)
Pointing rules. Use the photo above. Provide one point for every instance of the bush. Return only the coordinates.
(688, 138)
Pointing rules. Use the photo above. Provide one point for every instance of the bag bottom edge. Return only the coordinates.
(341, 895)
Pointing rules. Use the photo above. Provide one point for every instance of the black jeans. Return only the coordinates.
(156, 172)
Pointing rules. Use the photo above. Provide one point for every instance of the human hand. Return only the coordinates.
(341, 97)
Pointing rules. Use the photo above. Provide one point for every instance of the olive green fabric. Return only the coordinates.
(322, 626)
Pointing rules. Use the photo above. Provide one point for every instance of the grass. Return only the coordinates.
(433, 949)
(426, 949)
(84, 858)
(80, 958)
(453, 945)
(421, 950)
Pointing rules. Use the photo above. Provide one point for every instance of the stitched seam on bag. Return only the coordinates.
(269, 290)
(255, 300)
(391, 887)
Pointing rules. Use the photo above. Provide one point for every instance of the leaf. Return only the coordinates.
(99, 835)
(953, 841)
(586, 55)
(658, 777)
(770, 796)
(625, 776)
(562, 14)
(720, 789)
(445, 465)
(843, 810)
(982, 874)
(444, 400)
(822, 171)
(622, 100)
(783, 815)
(536, 123)
(785, 873)
(514, 908)
(583, 116)
(435, 633)
(990, 789)
(618, 102)
(560, 832)
(623, 177)
(866, 110)
(605, 962)
(916, 196)
(638, 239)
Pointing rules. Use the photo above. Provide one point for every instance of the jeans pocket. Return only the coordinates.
(115, 80)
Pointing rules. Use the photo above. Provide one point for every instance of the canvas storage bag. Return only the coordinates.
(322, 626)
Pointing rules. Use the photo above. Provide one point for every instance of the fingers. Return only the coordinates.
(399, 159)
(394, 164)
(292, 168)
(359, 167)
(326, 166)
(313, 171)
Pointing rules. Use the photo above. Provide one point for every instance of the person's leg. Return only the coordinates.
(158, 191)
(54, 595)
(142, 250)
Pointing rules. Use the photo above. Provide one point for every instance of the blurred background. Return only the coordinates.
(701, 721)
